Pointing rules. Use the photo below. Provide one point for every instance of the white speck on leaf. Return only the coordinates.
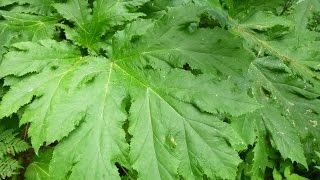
(314, 123)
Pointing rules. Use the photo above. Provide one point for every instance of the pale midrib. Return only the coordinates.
(51, 19)
(158, 95)
(278, 54)
(38, 167)
(272, 85)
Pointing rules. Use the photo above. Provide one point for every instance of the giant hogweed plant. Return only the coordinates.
(159, 89)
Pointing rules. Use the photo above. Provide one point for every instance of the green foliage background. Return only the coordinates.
(159, 89)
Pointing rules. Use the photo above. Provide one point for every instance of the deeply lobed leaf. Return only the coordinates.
(180, 78)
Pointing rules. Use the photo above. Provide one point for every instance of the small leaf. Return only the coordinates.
(39, 168)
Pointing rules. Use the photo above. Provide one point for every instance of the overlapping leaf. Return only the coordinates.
(298, 98)
(243, 9)
(39, 168)
(295, 85)
(91, 23)
(177, 39)
(297, 46)
(41, 7)
(19, 27)
(287, 79)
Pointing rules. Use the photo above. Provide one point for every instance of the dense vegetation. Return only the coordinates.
(160, 89)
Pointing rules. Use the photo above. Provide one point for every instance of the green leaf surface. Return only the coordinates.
(303, 11)
(41, 7)
(264, 20)
(189, 92)
(243, 9)
(298, 99)
(297, 47)
(7, 2)
(251, 128)
(92, 23)
(281, 91)
(171, 43)
(284, 136)
(245, 127)
(17, 27)
(39, 168)
(69, 79)
(260, 161)
(287, 77)
(150, 89)
(185, 146)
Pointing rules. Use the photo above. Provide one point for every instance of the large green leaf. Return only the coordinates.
(141, 89)
(81, 97)
(79, 101)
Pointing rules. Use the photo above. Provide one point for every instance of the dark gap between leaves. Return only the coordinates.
(195, 72)
(60, 34)
(84, 51)
(121, 169)
(90, 6)
(103, 52)
(266, 92)
(135, 38)
(126, 105)
(67, 23)
(8, 7)
(208, 22)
